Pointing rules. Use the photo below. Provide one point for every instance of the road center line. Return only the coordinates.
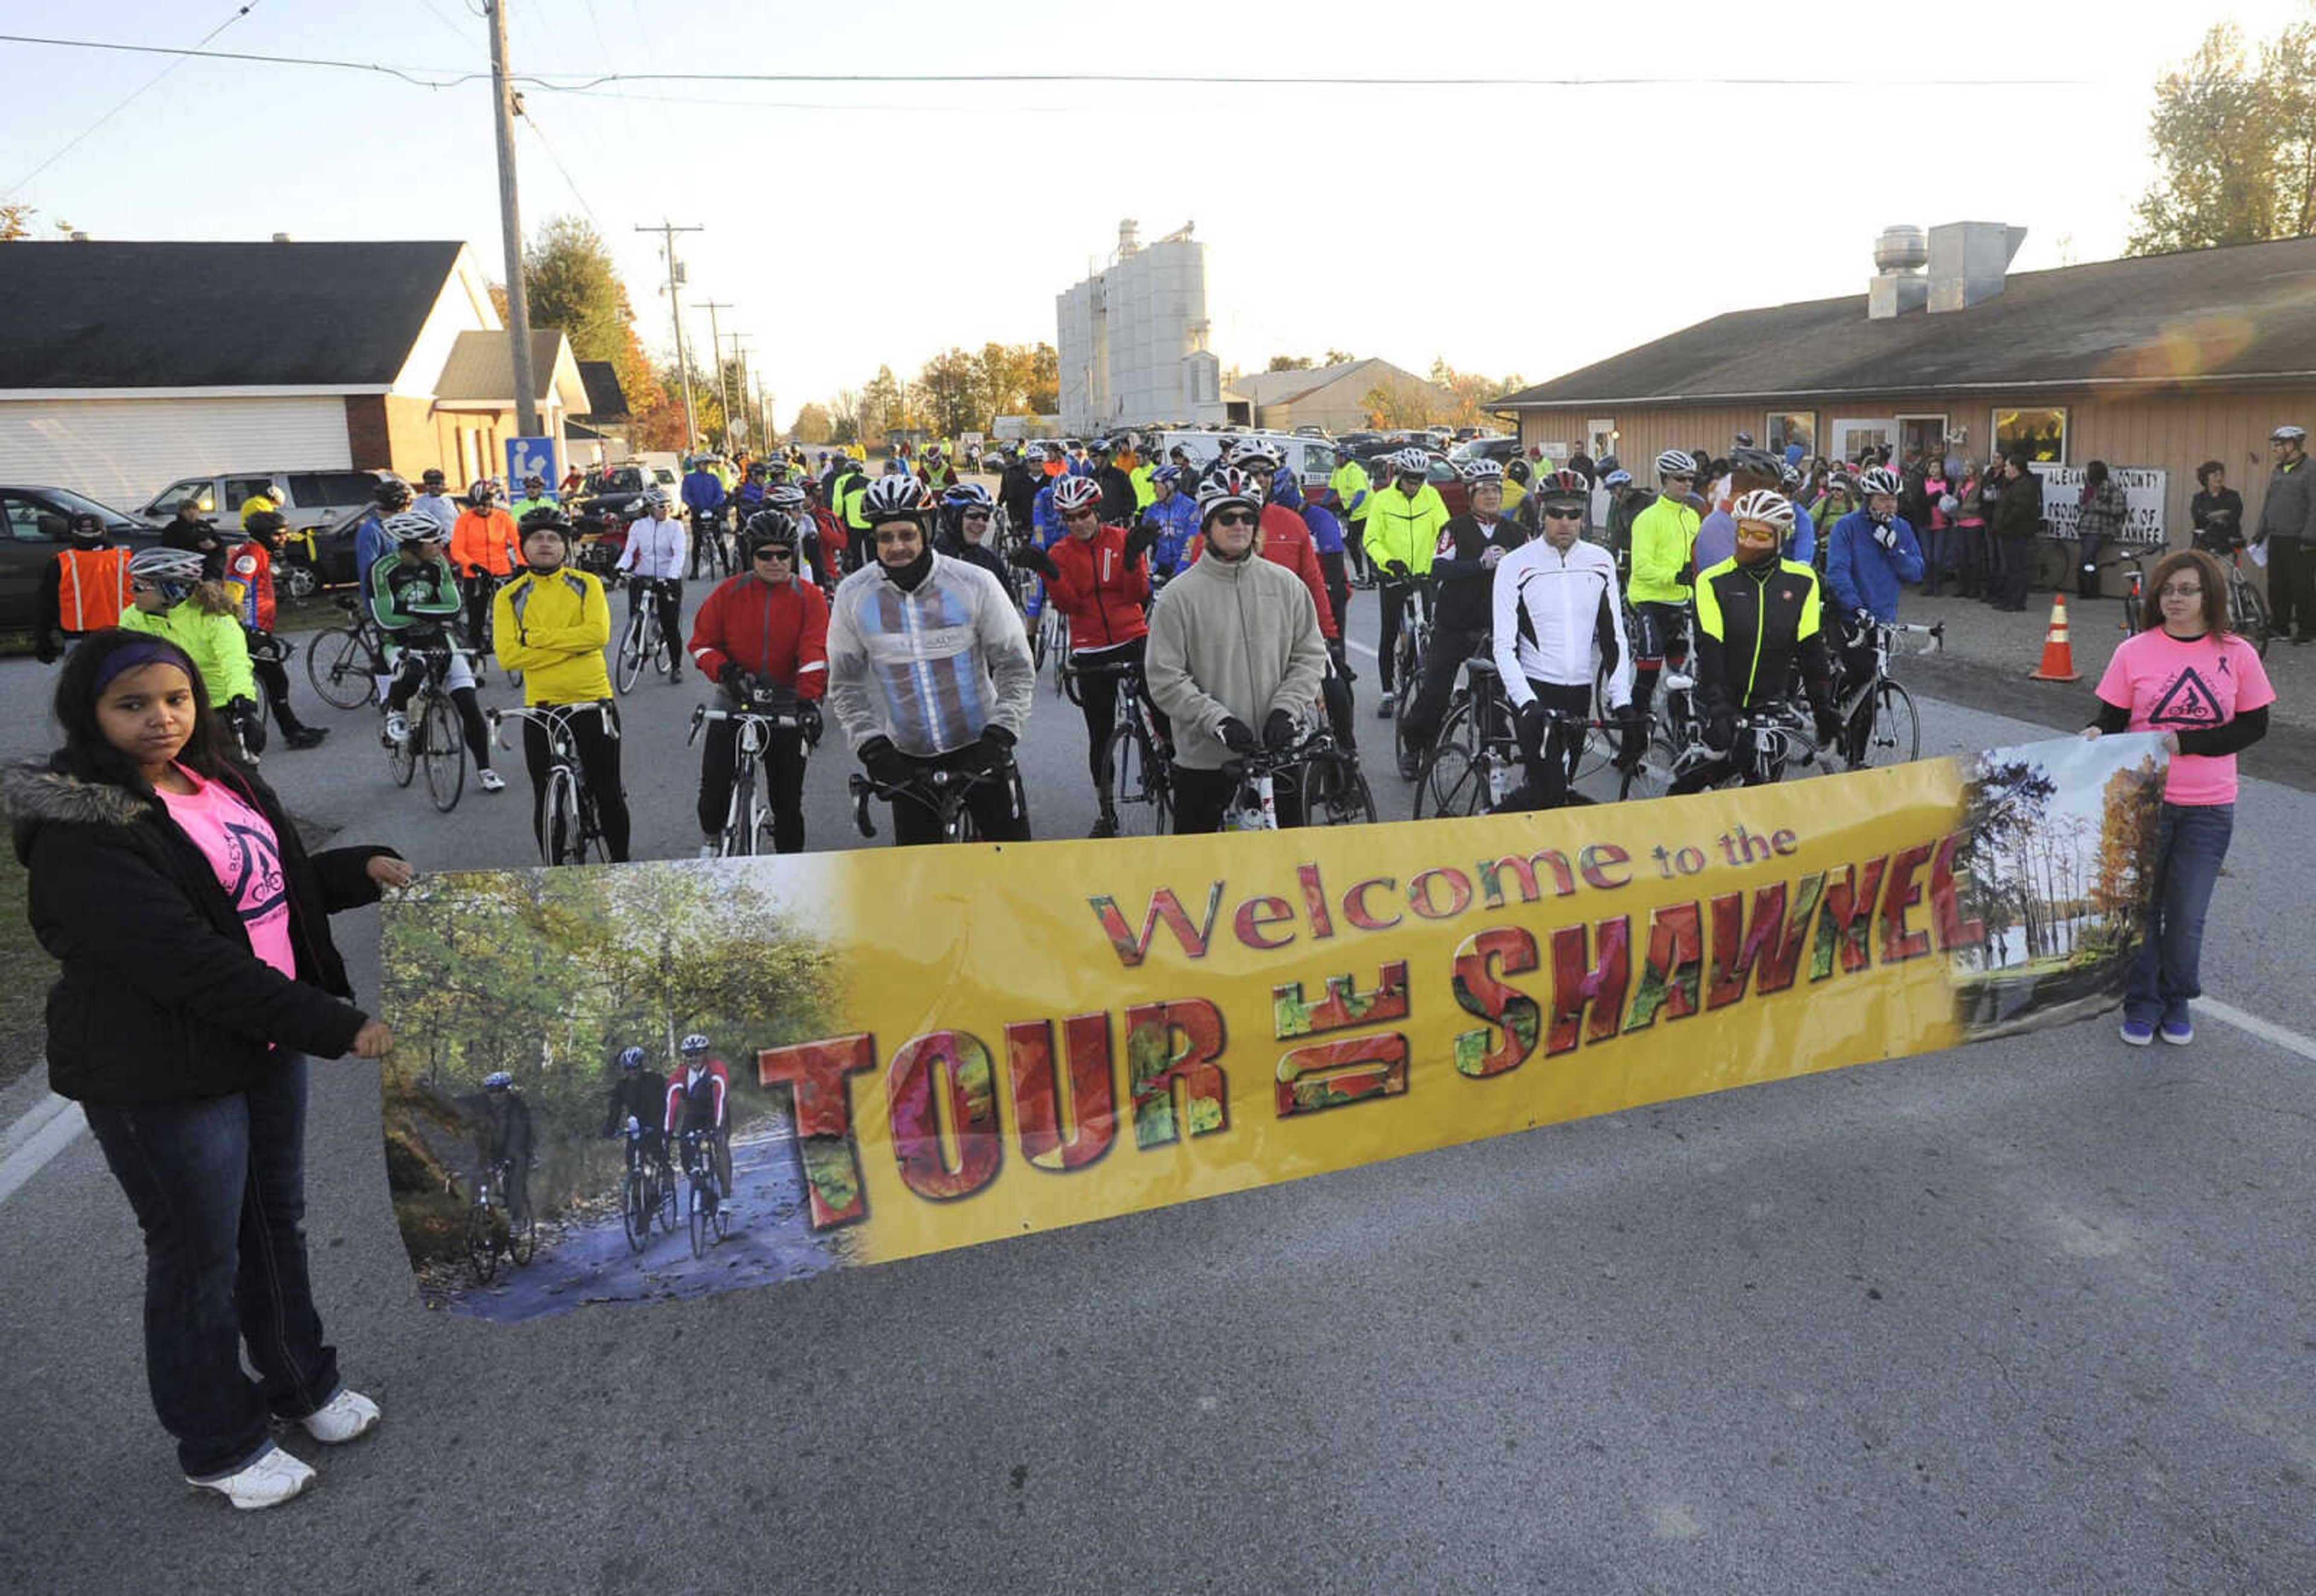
(39, 1135)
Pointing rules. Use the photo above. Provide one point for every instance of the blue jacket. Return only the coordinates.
(1177, 520)
(1862, 573)
(701, 490)
(1326, 531)
(371, 545)
(1042, 519)
(749, 499)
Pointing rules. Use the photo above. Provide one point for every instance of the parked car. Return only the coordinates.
(1499, 449)
(1442, 474)
(315, 500)
(617, 491)
(36, 517)
(1312, 458)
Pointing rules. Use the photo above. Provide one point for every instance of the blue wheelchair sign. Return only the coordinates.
(529, 457)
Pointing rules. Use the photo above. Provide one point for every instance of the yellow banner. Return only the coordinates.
(930, 1048)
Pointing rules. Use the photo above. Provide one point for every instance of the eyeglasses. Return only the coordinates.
(784, 556)
(1563, 512)
(2174, 590)
(1082, 515)
(1235, 518)
(976, 514)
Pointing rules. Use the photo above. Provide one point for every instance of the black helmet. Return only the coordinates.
(547, 517)
(1757, 462)
(769, 525)
(391, 494)
(265, 522)
(86, 526)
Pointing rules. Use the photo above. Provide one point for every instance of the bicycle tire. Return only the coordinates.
(670, 1204)
(1133, 786)
(1346, 800)
(631, 656)
(522, 1238)
(563, 842)
(482, 1242)
(402, 757)
(635, 1217)
(338, 668)
(1652, 777)
(1451, 784)
(738, 840)
(445, 752)
(1896, 725)
(663, 649)
(699, 1218)
(1601, 742)
(2247, 612)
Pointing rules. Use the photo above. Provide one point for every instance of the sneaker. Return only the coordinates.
(1105, 825)
(267, 1480)
(306, 737)
(1382, 709)
(2138, 1032)
(709, 850)
(397, 727)
(490, 780)
(347, 1416)
(2179, 1032)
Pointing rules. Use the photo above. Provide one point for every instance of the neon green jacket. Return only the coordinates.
(1664, 537)
(214, 642)
(1404, 529)
(1144, 495)
(1347, 483)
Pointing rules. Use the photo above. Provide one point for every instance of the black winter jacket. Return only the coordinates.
(161, 996)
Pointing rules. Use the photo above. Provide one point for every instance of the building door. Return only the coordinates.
(1924, 435)
(1853, 435)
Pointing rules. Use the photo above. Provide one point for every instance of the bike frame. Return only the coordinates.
(562, 752)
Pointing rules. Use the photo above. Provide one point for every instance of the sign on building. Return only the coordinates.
(2143, 489)
(529, 457)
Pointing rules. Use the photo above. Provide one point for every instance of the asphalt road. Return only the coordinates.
(2034, 1315)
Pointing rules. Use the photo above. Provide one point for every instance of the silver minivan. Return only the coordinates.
(316, 500)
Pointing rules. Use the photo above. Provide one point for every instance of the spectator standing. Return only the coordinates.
(433, 499)
(1969, 535)
(2014, 521)
(2098, 521)
(2287, 520)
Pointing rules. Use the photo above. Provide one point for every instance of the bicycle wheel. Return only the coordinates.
(699, 1220)
(1895, 737)
(523, 1236)
(1652, 777)
(339, 668)
(445, 752)
(2248, 613)
(668, 1200)
(635, 1212)
(768, 841)
(402, 757)
(1134, 784)
(482, 1242)
(1450, 784)
(663, 649)
(1599, 742)
(632, 649)
(739, 838)
(564, 844)
(1343, 798)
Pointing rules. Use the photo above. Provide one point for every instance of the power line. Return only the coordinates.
(569, 182)
(443, 17)
(134, 94)
(442, 78)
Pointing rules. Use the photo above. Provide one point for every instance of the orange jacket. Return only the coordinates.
(485, 539)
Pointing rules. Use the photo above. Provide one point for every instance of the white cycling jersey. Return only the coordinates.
(654, 549)
(1557, 617)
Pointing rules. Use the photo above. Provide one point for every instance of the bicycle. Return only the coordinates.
(2248, 615)
(707, 1207)
(1335, 791)
(1407, 657)
(1136, 783)
(940, 790)
(1478, 762)
(490, 1228)
(1053, 641)
(572, 829)
(644, 639)
(748, 816)
(265, 648)
(2134, 598)
(434, 736)
(345, 663)
(1893, 722)
(648, 1192)
(1777, 739)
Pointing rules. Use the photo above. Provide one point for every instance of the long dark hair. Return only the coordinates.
(2207, 571)
(88, 752)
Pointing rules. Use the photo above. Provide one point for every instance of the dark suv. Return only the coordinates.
(36, 519)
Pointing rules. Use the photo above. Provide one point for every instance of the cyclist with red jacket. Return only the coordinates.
(699, 1097)
(1101, 578)
(762, 634)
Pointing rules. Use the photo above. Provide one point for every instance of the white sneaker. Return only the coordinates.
(267, 1480)
(492, 781)
(346, 1416)
(711, 850)
(397, 727)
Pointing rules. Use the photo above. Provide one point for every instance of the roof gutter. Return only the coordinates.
(284, 391)
(2064, 385)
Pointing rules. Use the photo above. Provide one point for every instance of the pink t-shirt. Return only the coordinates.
(241, 847)
(2171, 685)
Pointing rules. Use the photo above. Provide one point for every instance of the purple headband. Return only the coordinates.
(148, 650)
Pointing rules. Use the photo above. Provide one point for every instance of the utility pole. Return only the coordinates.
(739, 400)
(716, 354)
(504, 105)
(667, 231)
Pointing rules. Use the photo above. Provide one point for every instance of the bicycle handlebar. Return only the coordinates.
(549, 715)
(863, 787)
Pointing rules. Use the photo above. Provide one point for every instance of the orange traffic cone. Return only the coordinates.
(2058, 656)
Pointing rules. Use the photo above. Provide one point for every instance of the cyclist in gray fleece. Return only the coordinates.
(1234, 645)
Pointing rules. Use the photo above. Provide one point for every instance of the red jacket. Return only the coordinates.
(1287, 541)
(777, 633)
(1099, 591)
(251, 566)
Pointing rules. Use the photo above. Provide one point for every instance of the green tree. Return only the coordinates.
(1337, 357)
(954, 400)
(570, 283)
(813, 425)
(883, 405)
(1472, 393)
(1043, 395)
(1399, 402)
(2234, 138)
(1289, 363)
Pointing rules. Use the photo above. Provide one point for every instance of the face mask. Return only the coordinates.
(909, 576)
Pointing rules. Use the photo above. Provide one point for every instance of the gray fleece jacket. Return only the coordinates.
(1231, 639)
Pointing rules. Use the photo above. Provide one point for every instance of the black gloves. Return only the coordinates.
(732, 674)
(1138, 541)
(1632, 735)
(49, 648)
(991, 748)
(1528, 720)
(1720, 731)
(1034, 558)
(1278, 731)
(887, 765)
(1397, 568)
(1236, 734)
(809, 713)
(1829, 725)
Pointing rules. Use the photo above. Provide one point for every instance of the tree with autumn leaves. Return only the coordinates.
(2233, 132)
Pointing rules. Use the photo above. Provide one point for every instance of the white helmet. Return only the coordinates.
(1483, 471)
(157, 564)
(1227, 485)
(1765, 504)
(1254, 454)
(892, 499)
(1676, 463)
(1879, 480)
(414, 527)
(1411, 462)
(2288, 433)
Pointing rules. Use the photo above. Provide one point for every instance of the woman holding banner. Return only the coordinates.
(197, 976)
(2188, 677)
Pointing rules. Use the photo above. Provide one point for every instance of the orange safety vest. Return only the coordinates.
(92, 589)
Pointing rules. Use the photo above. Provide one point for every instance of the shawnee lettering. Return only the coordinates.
(948, 1114)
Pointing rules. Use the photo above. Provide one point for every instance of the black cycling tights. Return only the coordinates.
(598, 757)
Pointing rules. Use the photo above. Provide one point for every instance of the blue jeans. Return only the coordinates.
(218, 1185)
(2168, 969)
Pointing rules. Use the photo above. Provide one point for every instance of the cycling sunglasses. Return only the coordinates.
(1235, 518)
(1563, 512)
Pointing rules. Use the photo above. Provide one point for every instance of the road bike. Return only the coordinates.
(1770, 739)
(1335, 791)
(748, 821)
(1054, 642)
(1881, 707)
(649, 1192)
(1407, 656)
(434, 738)
(2248, 615)
(493, 1225)
(939, 790)
(2135, 597)
(1477, 764)
(645, 641)
(345, 663)
(572, 832)
(1136, 783)
(708, 1206)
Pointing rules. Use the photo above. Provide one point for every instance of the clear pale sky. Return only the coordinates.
(1512, 229)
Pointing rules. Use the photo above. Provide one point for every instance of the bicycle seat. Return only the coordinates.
(1481, 665)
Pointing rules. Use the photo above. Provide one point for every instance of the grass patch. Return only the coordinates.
(26, 973)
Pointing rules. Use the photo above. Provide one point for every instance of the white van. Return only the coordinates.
(1312, 459)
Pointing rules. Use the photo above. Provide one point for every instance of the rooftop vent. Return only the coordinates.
(1898, 284)
(1969, 261)
(1129, 238)
(282, 238)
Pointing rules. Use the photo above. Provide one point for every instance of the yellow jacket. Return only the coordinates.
(1665, 534)
(215, 643)
(1404, 529)
(554, 629)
